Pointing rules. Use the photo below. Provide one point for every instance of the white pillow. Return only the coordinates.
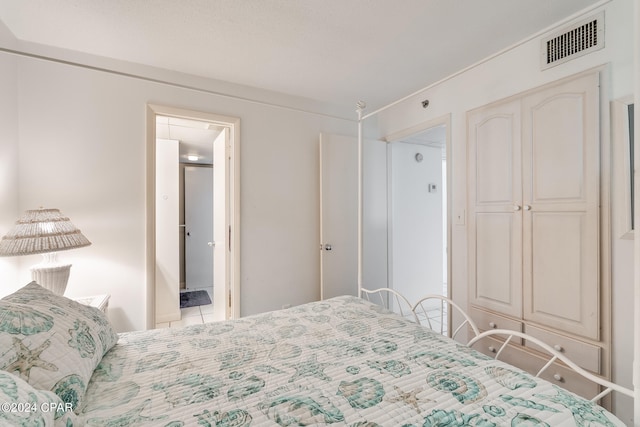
(52, 342)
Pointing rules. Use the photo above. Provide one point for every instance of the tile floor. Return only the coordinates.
(435, 317)
(192, 315)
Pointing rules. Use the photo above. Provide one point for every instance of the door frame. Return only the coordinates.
(396, 136)
(232, 293)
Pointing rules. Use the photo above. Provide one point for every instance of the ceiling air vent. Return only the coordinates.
(577, 40)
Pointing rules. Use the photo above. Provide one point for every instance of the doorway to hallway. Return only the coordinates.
(419, 229)
(194, 217)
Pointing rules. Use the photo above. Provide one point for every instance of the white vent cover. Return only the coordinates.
(569, 43)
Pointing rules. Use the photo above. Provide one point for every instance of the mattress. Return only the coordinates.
(342, 361)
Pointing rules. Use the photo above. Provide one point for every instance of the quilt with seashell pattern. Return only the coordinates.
(342, 361)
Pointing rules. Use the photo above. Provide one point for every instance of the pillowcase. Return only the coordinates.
(51, 342)
(22, 405)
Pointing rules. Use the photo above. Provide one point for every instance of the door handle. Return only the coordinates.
(212, 244)
(327, 247)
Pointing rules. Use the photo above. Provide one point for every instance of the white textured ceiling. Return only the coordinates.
(336, 51)
(195, 137)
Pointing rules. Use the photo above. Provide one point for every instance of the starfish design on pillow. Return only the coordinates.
(28, 358)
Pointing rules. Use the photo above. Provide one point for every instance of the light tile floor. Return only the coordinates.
(192, 315)
(436, 318)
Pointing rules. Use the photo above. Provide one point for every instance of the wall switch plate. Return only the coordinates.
(460, 217)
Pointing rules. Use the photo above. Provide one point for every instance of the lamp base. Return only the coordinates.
(51, 275)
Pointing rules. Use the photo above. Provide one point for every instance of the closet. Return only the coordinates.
(534, 234)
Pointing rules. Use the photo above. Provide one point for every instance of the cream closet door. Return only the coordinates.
(560, 207)
(495, 200)
(338, 215)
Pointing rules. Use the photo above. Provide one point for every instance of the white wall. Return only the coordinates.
(416, 243)
(512, 72)
(82, 146)
(9, 212)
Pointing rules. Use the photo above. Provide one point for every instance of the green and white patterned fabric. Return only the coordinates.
(23, 406)
(342, 361)
(52, 342)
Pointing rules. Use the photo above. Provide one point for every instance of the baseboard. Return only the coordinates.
(169, 317)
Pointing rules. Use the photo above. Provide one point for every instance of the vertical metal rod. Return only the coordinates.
(636, 180)
(360, 107)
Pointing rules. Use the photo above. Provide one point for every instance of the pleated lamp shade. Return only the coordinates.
(44, 231)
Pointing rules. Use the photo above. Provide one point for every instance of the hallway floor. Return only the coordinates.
(192, 315)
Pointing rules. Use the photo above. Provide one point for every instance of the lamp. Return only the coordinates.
(44, 231)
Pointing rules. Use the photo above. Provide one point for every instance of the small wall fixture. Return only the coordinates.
(425, 103)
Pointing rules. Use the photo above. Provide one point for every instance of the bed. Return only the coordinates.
(342, 361)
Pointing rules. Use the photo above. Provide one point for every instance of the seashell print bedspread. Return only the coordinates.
(342, 361)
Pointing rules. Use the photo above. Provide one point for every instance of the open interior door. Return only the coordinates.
(221, 247)
(338, 215)
(167, 266)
